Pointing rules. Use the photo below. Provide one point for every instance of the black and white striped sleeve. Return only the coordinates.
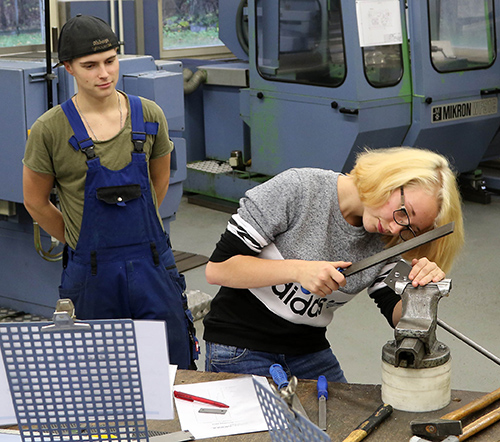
(385, 298)
(240, 238)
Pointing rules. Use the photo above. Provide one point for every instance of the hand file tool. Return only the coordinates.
(322, 386)
(396, 250)
(287, 389)
(399, 249)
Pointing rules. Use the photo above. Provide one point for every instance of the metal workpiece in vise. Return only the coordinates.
(415, 344)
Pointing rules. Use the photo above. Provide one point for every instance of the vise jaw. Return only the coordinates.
(415, 344)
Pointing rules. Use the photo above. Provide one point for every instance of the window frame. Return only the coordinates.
(389, 84)
(302, 83)
(28, 49)
(200, 52)
(493, 41)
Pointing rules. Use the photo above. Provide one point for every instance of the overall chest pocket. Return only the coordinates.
(119, 195)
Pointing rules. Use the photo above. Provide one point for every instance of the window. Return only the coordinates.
(383, 65)
(301, 41)
(191, 28)
(462, 34)
(21, 25)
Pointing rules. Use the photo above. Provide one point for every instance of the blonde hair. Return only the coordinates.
(379, 172)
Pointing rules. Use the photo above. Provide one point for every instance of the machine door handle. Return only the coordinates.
(41, 76)
(345, 110)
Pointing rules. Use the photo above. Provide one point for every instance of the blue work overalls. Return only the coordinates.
(123, 265)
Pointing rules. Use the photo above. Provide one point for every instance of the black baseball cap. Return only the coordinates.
(84, 35)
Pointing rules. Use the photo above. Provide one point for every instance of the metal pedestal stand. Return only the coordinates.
(284, 424)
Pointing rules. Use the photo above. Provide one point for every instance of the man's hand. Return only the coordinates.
(36, 189)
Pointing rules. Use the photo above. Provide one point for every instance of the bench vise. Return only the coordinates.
(415, 344)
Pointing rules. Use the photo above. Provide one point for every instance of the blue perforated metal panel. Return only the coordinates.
(75, 384)
(283, 424)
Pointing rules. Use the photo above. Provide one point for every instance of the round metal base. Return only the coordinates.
(411, 357)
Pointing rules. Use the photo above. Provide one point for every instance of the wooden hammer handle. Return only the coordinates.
(480, 424)
(367, 426)
(475, 405)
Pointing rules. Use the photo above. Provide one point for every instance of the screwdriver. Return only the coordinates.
(322, 397)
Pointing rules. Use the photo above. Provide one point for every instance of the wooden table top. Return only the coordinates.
(348, 405)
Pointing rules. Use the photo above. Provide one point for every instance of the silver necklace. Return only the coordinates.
(87, 123)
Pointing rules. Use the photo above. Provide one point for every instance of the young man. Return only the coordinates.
(108, 155)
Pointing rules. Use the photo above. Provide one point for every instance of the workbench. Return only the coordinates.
(348, 405)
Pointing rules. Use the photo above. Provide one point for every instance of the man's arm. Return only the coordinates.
(36, 190)
(159, 170)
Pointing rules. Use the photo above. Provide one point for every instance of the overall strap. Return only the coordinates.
(80, 140)
(140, 128)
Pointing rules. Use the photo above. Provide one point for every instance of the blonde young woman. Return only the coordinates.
(296, 230)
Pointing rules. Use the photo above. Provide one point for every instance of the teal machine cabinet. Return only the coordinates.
(327, 78)
(28, 282)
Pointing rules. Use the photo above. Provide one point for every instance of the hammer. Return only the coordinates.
(450, 425)
(368, 425)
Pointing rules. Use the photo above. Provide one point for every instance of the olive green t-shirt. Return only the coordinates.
(48, 151)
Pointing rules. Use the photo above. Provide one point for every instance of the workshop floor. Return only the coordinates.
(358, 331)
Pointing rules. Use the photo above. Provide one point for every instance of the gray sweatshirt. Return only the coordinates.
(295, 215)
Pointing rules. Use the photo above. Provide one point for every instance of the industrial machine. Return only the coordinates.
(314, 82)
(318, 81)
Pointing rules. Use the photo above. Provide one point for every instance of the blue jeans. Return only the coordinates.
(229, 359)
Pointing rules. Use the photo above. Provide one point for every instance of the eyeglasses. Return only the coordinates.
(402, 218)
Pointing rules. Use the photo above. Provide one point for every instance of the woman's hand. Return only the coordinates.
(322, 277)
(424, 271)
(246, 272)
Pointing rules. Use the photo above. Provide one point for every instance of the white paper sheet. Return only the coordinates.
(379, 22)
(10, 437)
(152, 349)
(244, 414)
(7, 413)
(157, 376)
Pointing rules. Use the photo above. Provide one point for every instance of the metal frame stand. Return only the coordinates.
(284, 424)
(74, 381)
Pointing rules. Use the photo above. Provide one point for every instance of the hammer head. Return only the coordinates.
(437, 429)
(421, 439)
